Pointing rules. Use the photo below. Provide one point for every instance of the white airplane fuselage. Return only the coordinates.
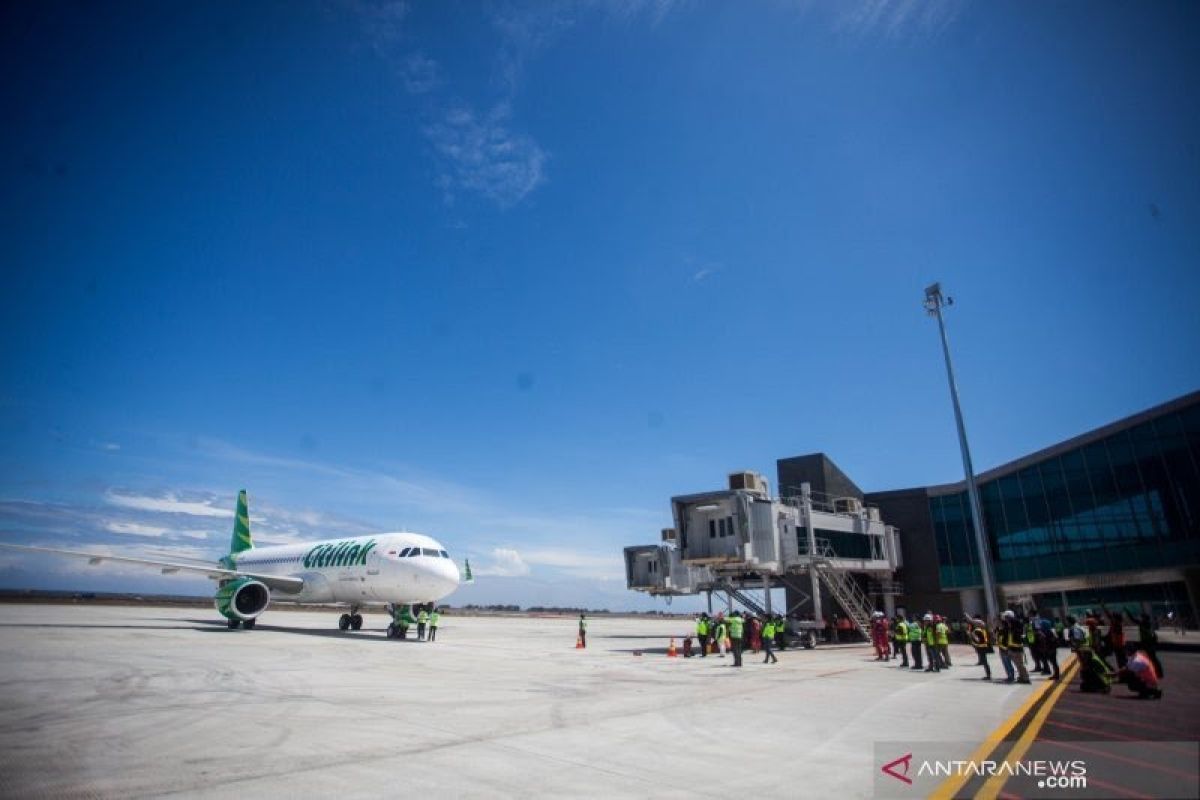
(399, 568)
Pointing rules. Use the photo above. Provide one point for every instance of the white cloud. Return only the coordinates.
(480, 154)
(419, 73)
(505, 563)
(135, 529)
(892, 19)
(168, 503)
(598, 566)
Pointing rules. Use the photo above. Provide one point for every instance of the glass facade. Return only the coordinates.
(1128, 501)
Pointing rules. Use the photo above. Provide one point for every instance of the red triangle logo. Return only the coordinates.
(904, 762)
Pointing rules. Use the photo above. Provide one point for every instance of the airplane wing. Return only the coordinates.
(282, 583)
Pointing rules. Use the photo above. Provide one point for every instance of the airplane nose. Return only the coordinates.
(444, 575)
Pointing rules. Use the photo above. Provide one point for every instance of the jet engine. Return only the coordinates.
(242, 599)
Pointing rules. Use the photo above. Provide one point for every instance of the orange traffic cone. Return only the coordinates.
(578, 642)
(671, 650)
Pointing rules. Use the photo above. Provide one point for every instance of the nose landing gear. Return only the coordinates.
(351, 621)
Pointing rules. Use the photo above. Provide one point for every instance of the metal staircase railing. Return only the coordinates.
(845, 590)
(746, 600)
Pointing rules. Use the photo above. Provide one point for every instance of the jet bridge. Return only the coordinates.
(732, 539)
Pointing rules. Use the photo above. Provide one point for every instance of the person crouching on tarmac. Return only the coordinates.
(1139, 673)
(1013, 641)
(900, 632)
(914, 641)
(982, 644)
(931, 649)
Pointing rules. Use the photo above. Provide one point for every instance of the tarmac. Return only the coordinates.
(112, 701)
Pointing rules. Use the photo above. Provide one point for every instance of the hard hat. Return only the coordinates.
(1009, 614)
(877, 614)
(928, 617)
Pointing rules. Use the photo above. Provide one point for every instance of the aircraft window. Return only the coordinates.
(429, 552)
(443, 554)
(414, 551)
(404, 552)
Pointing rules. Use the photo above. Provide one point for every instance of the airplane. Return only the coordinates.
(387, 569)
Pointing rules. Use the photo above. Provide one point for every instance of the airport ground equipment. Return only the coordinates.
(741, 542)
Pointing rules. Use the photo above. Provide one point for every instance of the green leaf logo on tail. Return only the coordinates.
(241, 526)
(467, 578)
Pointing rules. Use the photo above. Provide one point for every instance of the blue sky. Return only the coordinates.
(513, 274)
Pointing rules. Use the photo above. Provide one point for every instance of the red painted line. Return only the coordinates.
(1082, 748)
(1122, 737)
(1115, 789)
(1176, 735)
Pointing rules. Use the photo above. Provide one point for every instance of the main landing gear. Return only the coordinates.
(248, 624)
(352, 621)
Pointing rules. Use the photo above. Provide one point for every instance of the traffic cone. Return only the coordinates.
(578, 642)
(671, 650)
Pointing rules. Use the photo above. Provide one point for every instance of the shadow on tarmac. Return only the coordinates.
(219, 626)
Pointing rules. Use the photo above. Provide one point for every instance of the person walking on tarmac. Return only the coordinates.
(942, 633)
(768, 640)
(1012, 641)
(900, 632)
(736, 631)
(914, 641)
(422, 622)
(702, 633)
(980, 641)
(583, 630)
(722, 633)
(931, 651)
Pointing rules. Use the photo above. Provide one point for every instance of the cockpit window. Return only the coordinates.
(443, 554)
(414, 551)
(404, 552)
(428, 551)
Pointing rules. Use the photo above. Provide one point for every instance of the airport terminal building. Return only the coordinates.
(1111, 516)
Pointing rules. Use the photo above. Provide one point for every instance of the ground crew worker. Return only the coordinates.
(583, 630)
(1031, 631)
(722, 632)
(879, 635)
(982, 644)
(736, 630)
(942, 634)
(768, 639)
(780, 632)
(901, 639)
(997, 635)
(1148, 641)
(422, 621)
(434, 617)
(702, 633)
(1049, 646)
(931, 650)
(1012, 642)
(914, 641)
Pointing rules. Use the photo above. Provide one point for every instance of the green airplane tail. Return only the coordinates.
(241, 526)
(467, 578)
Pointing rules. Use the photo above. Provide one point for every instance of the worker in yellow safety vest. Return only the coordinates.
(702, 633)
(914, 640)
(1012, 640)
(982, 644)
(931, 651)
(943, 641)
(901, 633)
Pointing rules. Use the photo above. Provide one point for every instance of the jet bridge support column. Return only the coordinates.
(767, 592)
(806, 498)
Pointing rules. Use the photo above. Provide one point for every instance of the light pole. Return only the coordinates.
(933, 305)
